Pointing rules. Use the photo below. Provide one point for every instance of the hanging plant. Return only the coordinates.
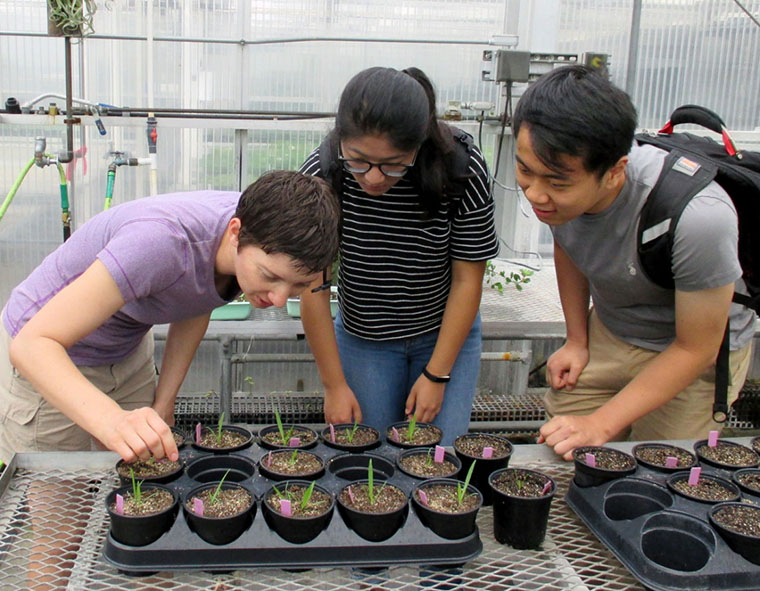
(71, 17)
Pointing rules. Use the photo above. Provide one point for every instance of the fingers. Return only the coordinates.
(140, 434)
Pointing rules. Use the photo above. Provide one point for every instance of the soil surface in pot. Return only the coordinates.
(443, 498)
(705, 489)
(305, 437)
(606, 458)
(231, 501)
(292, 463)
(178, 439)
(423, 435)
(520, 483)
(151, 468)
(743, 520)
(229, 439)
(658, 456)
(423, 465)
(388, 498)
(153, 500)
(750, 480)
(729, 454)
(362, 436)
(318, 504)
(472, 445)
(756, 444)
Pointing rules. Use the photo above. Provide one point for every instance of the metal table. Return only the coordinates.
(66, 493)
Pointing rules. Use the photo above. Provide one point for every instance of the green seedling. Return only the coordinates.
(293, 457)
(429, 461)
(371, 483)
(411, 428)
(351, 432)
(499, 280)
(214, 496)
(462, 487)
(136, 488)
(219, 429)
(249, 380)
(307, 495)
(284, 435)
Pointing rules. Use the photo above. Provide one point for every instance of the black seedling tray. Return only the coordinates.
(663, 538)
(182, 549)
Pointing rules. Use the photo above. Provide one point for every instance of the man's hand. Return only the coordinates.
(565, 366)
(565, 433)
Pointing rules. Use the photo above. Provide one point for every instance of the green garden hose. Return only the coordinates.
(14, 188)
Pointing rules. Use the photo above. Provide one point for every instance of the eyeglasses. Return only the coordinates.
(326, 283)
(391, 169)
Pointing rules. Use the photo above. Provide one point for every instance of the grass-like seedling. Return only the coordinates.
(411, 429)
(429, 460)
(136, 488)
(284, 435)
(214, 496)
(219, 429)
(462, 486)
(350, 433)
(371, 483)
(306, 497)
(293, 457)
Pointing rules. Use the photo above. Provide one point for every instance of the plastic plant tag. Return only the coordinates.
(423, 497)
(712, 439)
(198, 433)
(198, 506)
(591, 460)
(394, 431)
(269, 459)
(694, 475)
(119, 504)
(351, 495)
(547, 488)
(294, 442)
(332, 433)
(487, 452)
(438, 457)
(671, 462)
(285, 508)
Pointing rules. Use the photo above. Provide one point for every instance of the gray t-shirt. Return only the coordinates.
(603, 247)
(159, 250)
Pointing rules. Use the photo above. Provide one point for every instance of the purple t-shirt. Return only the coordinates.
(159, 250)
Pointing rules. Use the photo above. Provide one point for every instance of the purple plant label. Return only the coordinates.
(395, 435)
(269, 459)
(285, 508)
(712, 439)
(119, 504)
(332, 433)
(694, 475)
(439, 453)
(198, 433)
(487, 452)
(671, 462)
(294, 442)
(351, 495)
(198, 506)
(423, 497)
(547, 488)
(591, 460)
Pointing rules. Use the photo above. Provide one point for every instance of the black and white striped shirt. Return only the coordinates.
(395, 265)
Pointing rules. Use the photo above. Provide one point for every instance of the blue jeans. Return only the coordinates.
(382, 373)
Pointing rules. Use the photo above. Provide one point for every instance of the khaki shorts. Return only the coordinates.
(613, 363)
(29, 423)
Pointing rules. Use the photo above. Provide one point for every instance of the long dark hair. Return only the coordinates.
(402, 106)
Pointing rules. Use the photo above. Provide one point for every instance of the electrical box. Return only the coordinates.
(506, 65)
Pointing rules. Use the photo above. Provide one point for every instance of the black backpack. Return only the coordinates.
(693, 162)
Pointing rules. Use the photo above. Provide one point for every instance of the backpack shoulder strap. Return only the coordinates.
(682, 177)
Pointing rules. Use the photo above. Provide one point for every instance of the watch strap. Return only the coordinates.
(434, 378)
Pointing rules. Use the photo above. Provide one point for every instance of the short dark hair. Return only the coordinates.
(574, 111)
(286, 212)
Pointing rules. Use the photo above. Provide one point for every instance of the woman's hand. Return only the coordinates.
(425, 400)
(341, 406)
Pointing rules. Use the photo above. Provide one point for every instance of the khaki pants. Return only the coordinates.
(613, 363)
(29, 423)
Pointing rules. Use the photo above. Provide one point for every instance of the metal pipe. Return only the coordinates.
(633, 47)
(68, 154)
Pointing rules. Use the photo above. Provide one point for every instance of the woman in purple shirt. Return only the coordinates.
(76, 351)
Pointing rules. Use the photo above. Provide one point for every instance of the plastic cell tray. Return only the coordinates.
(182, 549)
(664, 539)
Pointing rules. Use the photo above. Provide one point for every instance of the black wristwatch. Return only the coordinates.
(436, 379)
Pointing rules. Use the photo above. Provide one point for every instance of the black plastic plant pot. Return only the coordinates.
(401, 429)
(747, 545)
(658, 450)
(272, 474)
(374, 527)
(354, 466)
(753, 458)
(731, 491)
(233, 468)
(224, 450)
(586, 475)
(126, 479)
(312, 440)
(350, 447)
(181, 434)
(218, 530)
(296, 529)
(484, 466)
(428, 453)
(748, 480)
(140, 530)
(449, 525)
(521, 521)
